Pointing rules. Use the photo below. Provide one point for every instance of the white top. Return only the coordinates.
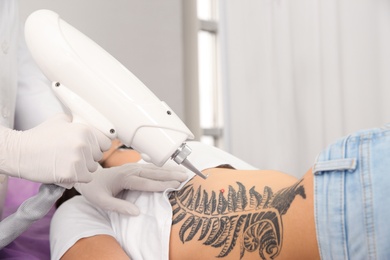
(142, 237)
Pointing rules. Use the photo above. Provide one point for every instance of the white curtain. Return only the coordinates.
(300, 74)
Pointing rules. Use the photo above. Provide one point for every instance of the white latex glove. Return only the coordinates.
(56, 151)
(109, 182)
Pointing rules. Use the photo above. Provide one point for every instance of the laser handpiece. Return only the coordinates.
(101, 92)
(180, 157)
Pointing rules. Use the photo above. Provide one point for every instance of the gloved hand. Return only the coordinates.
(108, 182)
(56, 151)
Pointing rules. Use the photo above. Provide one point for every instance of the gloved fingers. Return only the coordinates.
(110, 203)
(167, 167)
(84, 171)
(91, 148)
(91, 141)
(65, 185)
(103, 141)
(162, 173)
(91, 163)
(138, 183)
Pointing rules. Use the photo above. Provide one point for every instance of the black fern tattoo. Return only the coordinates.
(214, 219)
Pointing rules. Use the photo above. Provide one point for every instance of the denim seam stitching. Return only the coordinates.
(342, 199)
(367, 199)
(316, 216)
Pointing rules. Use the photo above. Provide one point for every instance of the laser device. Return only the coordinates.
(101, 92)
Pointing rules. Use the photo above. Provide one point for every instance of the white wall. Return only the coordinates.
(146, 36)
(301, 74)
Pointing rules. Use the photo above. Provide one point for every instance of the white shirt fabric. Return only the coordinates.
(142, 237)
(26, 98)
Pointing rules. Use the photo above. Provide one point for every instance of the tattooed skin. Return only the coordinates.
(219, 220)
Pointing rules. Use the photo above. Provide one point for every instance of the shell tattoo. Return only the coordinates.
(230, 218)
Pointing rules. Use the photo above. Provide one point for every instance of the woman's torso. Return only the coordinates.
(244, 214)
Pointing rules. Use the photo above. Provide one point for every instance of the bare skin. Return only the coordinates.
(286, 223)
(96, 247)
(240, 215)
(117, 155)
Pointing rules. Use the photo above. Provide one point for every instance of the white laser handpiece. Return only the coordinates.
(101, 92)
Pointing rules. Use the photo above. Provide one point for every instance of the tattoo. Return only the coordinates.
(218, 220)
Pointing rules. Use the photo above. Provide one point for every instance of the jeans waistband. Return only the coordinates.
(351, 178)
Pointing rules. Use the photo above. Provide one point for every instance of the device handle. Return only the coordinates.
(82, 112)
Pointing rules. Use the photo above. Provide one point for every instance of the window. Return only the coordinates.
(211, 120)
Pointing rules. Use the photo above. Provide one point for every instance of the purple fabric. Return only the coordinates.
(33, 244)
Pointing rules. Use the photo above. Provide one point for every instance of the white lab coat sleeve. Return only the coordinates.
(35, 100)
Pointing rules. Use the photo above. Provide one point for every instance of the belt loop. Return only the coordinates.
(348, 164)
(341, 164)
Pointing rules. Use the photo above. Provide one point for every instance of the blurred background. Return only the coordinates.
(270, 81)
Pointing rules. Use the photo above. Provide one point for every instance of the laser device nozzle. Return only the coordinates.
(180, 157)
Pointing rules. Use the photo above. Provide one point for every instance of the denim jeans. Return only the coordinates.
(351, 196)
